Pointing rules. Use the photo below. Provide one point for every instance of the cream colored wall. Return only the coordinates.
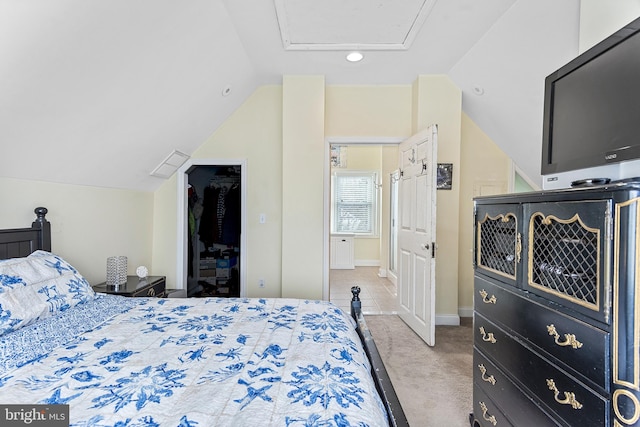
(88, 224)
(484, 169)
(284, 125)
(303, 205)
(254, 133)
(374, 111)
(165, 233)
(437, 100)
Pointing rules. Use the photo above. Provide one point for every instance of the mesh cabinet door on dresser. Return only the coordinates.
(498, 241)
(556, 310)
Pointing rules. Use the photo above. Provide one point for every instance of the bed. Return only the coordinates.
(117, 361)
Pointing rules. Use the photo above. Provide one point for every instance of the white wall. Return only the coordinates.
(601, 18)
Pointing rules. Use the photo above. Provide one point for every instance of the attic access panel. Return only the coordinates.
(353, 24)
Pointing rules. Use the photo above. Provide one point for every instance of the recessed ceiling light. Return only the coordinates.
(478, 90)
(355, 56)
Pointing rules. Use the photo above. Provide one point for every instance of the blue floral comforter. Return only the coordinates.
(194, 362)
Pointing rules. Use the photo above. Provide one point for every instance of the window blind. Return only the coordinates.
(355, 203)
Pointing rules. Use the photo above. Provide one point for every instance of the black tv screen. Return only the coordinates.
(592, 106)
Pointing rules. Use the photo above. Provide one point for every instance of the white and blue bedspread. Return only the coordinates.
(194, 362)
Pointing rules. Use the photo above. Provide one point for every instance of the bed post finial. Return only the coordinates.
(355, 291)
(40, 213)
(356, 305)
(44, 229)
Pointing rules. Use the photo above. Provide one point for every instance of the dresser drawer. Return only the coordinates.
(150, 286)
(155, 289)
(580, 346)
(485, 412)
(517, 406)
(556, 390)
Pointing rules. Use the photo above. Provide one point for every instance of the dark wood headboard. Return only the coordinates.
(20, 242)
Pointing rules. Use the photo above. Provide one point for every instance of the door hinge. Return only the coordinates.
(433, 249)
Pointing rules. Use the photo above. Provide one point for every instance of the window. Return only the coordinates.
(355, 203)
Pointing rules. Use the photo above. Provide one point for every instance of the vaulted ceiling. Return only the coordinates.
(100, 92)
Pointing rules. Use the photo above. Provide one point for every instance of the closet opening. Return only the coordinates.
(213, 230)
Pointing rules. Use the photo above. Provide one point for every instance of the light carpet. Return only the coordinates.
(434, 384)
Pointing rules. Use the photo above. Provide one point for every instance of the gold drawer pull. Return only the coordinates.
(487, 337)
(569, 397)
(491, 418)
(151, 292)
(484, 294)
(518, 247)
(489, 379)
(569, 339)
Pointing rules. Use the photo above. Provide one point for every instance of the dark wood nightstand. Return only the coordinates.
(151, 286)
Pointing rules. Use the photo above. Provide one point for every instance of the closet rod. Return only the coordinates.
(224, 180)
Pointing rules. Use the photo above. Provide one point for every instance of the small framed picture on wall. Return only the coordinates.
(444, 176)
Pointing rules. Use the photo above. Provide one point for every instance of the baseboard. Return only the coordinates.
(382, 272)
(465, 311)
(367, 263)
(447, 320)
(392, 278)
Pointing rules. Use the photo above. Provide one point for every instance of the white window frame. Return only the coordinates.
(375, 204)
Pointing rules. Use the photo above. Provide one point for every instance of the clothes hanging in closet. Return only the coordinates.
(194, 214)
(220, 221)
(208, 229)
(230, 230)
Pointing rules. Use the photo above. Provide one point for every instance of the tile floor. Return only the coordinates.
(378, 294)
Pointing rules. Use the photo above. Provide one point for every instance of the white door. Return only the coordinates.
(417, 233)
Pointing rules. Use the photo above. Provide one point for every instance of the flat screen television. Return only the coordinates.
(591, 125)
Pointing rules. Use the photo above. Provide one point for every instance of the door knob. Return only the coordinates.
(425, 246)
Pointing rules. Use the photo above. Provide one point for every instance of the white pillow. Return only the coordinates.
(36, 287)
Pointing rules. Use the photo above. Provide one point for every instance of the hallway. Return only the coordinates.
(378, 294)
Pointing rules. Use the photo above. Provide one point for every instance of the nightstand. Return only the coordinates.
(151, 286)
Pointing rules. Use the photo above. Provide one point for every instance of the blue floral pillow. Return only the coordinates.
(36, 287)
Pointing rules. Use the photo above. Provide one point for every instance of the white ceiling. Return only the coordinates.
(100, 92)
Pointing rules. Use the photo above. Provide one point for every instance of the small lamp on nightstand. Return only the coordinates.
(116, 270)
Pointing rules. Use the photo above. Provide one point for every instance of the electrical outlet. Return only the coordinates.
(261, 283)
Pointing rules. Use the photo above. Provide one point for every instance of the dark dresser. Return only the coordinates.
(556, 308)
(151, 286)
